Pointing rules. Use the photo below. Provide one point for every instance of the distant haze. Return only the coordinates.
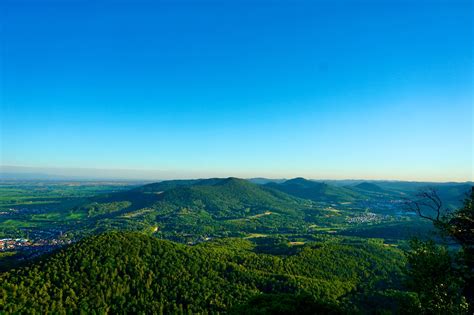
(48, 173)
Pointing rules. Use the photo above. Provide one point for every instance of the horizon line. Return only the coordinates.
(63, 173)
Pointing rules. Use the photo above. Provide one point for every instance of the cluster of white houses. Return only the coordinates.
(13, 243)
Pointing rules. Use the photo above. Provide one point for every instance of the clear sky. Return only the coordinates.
(320, 89)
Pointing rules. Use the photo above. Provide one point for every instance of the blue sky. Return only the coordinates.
(320, 89)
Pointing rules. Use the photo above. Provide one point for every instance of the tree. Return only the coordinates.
(459, 224)
(427, 260)
(433, 274)
(427, 205)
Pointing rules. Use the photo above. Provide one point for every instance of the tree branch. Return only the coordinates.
(428, 198)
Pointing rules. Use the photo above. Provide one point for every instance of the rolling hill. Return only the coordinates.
(222, 198)
(169, 184)
(373, 190)
(370, 187)
(316, 191)
(228, 205)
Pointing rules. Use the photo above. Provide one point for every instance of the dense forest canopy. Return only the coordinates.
(123, 272)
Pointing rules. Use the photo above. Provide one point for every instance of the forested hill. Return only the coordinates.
(370, 187)
(232, 197)
(169, 184)
(125, 272)
(216, 193)
(316, 191)
(213, 206)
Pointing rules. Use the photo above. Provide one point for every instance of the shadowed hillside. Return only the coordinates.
(315, 191)
(370, 187)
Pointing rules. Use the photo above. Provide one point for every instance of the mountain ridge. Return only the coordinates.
(315, 191)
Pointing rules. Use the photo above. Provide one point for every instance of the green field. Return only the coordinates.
(32, 206)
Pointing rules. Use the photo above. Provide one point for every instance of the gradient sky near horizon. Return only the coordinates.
(320, 89)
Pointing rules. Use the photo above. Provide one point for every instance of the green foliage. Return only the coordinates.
(134, 273)
(170, 184)
(443, 279)
(459, 225)
(388, 301)
(433, 276)
(95, 208)
(316, 191)
(283, 304)
(396, 230)
(8, 260)
(370, 187)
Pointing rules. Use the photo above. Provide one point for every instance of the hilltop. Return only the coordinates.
(169, 184)
(315, 191)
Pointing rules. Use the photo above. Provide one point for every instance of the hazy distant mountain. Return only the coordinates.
(35, 176)
(454, 194)
(410, 187)
(263, 180)
(60, 173)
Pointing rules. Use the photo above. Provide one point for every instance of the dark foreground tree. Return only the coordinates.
(283, 304)
(437, 279)
(443, 278)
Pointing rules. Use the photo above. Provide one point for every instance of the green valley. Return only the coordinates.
(219, 245)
